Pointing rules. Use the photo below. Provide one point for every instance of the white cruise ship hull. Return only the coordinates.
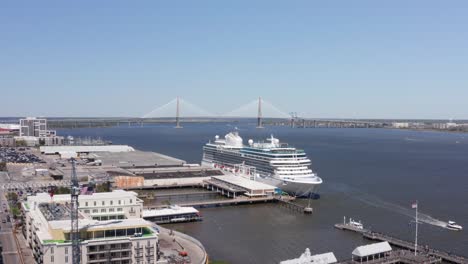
(307, 188)
(295, 188)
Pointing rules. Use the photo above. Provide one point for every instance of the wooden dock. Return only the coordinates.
(286, 201)
(168, 195)
(291, 205)
(223, 202)
(422, 250)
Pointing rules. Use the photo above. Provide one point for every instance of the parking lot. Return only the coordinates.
(18, 155)
(33, 186)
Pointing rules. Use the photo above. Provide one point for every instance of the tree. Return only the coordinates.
(21, 143)
(3, 166)
(62, 190)
(103, 187)
(15, 211)
(12, 196)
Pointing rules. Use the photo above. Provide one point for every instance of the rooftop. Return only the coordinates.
(244, 183)
(372, 249)
(96, 225)
(176, 172)
(45, 197)
(87, 149)
(173, 210)
(56, 211)
(307, 257)
(136, 158)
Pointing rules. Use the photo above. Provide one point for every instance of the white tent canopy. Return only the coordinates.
(307, 257)
(372, 249)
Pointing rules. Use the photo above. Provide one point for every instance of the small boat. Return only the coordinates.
(453, 226)
(355, 224)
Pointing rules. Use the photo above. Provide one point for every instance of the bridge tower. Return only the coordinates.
(259, 116)
(178, 114)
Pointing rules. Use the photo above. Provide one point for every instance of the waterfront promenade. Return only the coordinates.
(176, 244)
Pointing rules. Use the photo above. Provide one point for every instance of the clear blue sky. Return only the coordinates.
(355, 59)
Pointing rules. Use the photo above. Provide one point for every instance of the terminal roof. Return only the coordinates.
(372, 249)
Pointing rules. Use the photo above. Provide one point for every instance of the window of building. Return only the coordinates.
(66, 259)
(103, 203)
(95, 203)
(119, 209)
(111, 210)
(131, 200)
(111, 202)
(86, 203)
(66, 250)
(86, 211)
(103, 210)
(120, 202)
(51, 250)
(51, 258)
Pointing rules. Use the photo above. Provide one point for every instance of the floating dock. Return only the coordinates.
(422, 250)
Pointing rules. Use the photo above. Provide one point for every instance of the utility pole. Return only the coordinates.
(75, 232)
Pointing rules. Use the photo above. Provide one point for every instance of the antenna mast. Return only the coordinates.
(75, 232)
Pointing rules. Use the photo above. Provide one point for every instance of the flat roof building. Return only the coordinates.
(33, 127)
(235, 184)
(84, 149)
(112, 229)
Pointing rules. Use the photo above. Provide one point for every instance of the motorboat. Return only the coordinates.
(453, 226)
(355, 224)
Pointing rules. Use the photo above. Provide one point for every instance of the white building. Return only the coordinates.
(400, 124)
(33, 127)
(111, 229)
(52, 150)
(307, 258)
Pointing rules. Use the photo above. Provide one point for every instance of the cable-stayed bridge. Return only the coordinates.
(180, 108)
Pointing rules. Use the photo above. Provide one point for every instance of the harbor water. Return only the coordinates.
(372, 175)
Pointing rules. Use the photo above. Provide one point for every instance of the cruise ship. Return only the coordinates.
(275, 163)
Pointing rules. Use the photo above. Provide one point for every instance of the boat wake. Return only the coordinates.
(379, 203)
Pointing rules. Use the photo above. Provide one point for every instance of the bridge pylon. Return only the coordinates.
(178, 114)
(259, 115)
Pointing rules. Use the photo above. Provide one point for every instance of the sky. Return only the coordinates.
(324, 59)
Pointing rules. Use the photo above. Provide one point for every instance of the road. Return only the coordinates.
(10, 249)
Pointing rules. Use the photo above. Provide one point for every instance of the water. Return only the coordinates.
(369, 174)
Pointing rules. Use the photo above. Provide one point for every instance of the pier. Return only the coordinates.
(396, 257)
(285, 201)
(399, 243)
(294, 206)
